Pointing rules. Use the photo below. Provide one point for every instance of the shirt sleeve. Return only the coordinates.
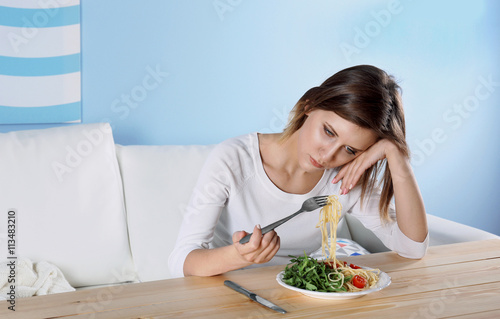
(203, 210)
(387, 231)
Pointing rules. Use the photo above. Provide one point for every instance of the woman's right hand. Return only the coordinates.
(209, 262)
(260, 248)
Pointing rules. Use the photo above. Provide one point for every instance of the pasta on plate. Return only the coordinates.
(330, 274)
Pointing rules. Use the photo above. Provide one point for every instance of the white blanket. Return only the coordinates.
(31, 279)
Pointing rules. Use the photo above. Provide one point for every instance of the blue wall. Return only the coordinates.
(198, 72)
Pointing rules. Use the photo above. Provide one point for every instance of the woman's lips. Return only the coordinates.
(315, 164)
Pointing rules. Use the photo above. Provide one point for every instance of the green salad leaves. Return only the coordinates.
(308, 273)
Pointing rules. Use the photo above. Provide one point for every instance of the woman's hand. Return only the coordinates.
(352, 171)
(410, 210)
(260, 249)
(208, 262)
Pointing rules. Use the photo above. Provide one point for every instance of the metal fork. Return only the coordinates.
(309, 205)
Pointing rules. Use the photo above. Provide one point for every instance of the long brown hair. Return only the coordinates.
(370, 98)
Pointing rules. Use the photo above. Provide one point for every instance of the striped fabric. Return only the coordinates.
(40, 61)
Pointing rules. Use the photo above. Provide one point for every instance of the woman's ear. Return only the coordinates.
(307, 108)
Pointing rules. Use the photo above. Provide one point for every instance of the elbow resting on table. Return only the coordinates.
(418, 250)
(413, 255)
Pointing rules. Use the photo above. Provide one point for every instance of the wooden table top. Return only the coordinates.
(458, 280)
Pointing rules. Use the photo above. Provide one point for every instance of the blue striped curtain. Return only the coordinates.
(40, 61)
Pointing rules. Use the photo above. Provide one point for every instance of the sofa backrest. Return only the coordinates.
(158, 181)
(64, 188)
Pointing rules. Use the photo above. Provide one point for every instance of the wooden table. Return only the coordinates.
(458, 280)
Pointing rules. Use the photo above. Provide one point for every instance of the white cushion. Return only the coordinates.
(363, 236)
(158, 181)
(343, 229)
(344, 248)
(65, 187)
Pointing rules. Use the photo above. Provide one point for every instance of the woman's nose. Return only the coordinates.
(328, 153)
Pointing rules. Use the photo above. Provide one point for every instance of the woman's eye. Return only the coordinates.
(328, 132)
(350, 150)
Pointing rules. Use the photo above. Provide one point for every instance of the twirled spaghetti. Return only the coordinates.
(329, 215)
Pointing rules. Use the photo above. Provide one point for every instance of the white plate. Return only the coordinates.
(383, 281)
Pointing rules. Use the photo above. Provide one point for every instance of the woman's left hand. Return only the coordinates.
(352, 171)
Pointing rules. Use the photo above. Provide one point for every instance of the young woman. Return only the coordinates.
(341, 137)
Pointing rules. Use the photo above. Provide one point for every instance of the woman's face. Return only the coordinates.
(326, 140)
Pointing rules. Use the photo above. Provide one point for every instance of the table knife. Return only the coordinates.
(253, 296)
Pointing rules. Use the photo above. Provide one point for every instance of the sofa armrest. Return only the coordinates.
(441, 232)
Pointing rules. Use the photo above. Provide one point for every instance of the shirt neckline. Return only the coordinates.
(271, 187)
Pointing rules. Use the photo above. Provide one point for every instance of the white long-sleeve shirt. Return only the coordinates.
(234, 193)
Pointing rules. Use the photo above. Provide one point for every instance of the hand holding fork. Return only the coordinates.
(309, 205)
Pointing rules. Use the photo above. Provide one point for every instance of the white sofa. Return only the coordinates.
(109, 214)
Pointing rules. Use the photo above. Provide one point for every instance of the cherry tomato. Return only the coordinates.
(353, 266)
(359, 282)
